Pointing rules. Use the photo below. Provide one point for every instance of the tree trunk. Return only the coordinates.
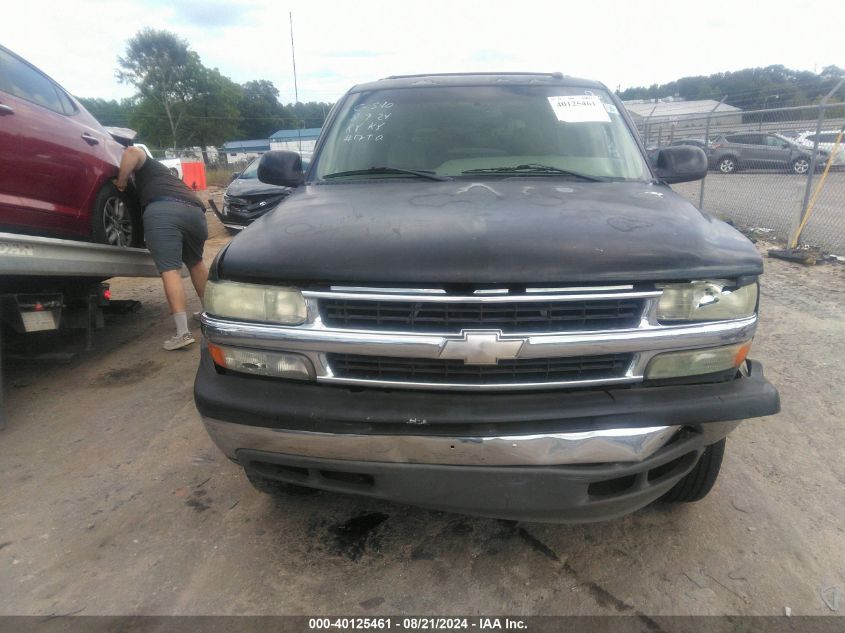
(170, 120)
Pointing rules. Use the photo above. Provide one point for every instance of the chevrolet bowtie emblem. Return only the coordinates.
(481, 348)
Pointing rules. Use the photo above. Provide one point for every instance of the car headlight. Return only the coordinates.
(254, 302)
(262, 363)
(706, 301)
(695, 362)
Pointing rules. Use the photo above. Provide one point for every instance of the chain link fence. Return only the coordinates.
(779, 171)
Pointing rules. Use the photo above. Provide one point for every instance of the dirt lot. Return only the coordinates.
(113, 500)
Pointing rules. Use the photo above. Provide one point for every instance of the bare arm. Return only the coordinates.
(131, 161)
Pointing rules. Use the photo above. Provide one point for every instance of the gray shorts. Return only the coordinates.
(174, 233)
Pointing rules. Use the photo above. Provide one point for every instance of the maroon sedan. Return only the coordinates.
(57, 163)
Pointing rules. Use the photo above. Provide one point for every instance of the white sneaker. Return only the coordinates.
(178, 342)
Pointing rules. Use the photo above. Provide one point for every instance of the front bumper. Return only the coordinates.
(531, 456)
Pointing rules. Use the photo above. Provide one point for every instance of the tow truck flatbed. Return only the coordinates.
(30, 256)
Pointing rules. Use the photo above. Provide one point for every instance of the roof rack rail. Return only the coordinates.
(555, 75)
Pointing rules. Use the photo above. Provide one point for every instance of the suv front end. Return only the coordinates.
(496, 366)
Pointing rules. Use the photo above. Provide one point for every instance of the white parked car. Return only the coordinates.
(827, 141)
(173, 164)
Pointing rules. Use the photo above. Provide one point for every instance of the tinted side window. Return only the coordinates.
(67, 104)
(755, 139)
(828, 138)
(27, 83)
(737, 138)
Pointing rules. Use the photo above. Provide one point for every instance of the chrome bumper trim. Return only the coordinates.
(552, 449)
(407, 345)
(458, 386)
(516, 298)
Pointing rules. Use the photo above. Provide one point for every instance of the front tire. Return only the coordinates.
(695, 485)
(115, 219)
(801, 166)
(727, 165)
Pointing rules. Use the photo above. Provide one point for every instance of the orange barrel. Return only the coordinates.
(194, 175)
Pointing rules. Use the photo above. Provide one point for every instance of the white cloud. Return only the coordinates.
(339, 44)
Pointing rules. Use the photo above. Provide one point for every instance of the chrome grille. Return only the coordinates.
(442, 371)
(491, 339)
(453, 317)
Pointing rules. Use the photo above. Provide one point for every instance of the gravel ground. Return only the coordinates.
(113, 500)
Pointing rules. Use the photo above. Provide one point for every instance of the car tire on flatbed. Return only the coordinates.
(116, 219)
(699, 481)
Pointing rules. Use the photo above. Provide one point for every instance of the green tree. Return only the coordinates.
(163, 69)
(149, 119)
(211, 113)
(109, 112)
(261, 112)
(773, 86)
(310, 114)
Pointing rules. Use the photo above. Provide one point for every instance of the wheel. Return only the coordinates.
(801, 165)
(727, 165)
(174, 172)
(697, 483)
(115, 219)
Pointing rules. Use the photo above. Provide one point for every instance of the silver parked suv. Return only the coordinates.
(731, 152)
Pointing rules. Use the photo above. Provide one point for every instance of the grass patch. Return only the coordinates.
(220, 176)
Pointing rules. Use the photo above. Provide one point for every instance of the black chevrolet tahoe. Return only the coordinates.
(482, 298)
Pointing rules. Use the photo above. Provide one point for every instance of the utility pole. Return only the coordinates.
(295, 86)
(293, 57)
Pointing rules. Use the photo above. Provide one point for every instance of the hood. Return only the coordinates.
(246, 187)
(520, 230)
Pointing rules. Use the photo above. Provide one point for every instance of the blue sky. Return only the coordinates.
(339, 44)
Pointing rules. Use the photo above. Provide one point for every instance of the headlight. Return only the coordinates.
(697, 361)
(261, 363)
(706, 301)
(252, 302)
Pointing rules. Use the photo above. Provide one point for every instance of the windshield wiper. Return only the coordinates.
(533, 168)
(430, 175)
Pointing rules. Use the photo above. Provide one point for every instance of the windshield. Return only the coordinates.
(251, 172)
(456, 131)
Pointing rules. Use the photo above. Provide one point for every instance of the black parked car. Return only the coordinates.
(247, 198)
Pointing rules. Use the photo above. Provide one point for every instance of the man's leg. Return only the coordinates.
(175, 293)
(164, 234)
(199, 275)
(174, 290)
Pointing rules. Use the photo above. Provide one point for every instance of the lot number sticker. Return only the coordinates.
(579, 109)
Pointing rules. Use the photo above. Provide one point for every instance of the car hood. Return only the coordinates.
(247, 187)
(518, 230)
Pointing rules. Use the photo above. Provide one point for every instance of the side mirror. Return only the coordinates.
(281, 168)
(681, 163)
